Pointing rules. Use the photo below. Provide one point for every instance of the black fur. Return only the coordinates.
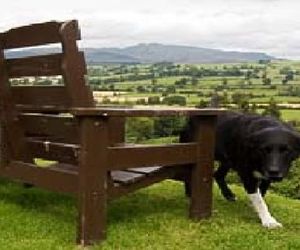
(260, 149)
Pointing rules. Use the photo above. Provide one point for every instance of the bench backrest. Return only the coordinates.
(42, 103)
(69, 64)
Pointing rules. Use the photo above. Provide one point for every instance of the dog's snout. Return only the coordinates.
(275, 175)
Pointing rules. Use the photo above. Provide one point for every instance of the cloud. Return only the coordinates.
(270, 26)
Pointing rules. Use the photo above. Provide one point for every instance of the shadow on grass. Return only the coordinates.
(166, 199)
(37, 200)
(150, 201)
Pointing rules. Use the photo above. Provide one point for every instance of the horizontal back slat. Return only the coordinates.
(33, 35)
(34, 66)
(64, 153)
(41, 95)
(121, 158)
(55, 127)
(47, 65)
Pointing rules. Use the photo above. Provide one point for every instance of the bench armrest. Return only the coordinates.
(144, 112)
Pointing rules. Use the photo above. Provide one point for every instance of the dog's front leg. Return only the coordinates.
(262, 210)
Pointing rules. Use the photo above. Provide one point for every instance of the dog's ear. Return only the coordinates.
(255, 137)
(251, 141)
(295, 140)
(297, 143)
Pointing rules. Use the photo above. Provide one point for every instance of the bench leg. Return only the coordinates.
(92, 193)
(202, 171)
(92, 216)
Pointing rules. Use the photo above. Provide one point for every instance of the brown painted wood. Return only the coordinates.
(146, 171)
(37, 96)
(118, 190)
(45, 109)
(91, 139)
(126, 177)
(65, 153)
(33, 35)
(57, 128)
(202, 170)
(92, 180)
(146, 112)
(4, 151)
(121, 158)
(51, 179)
(117, 130)
(72, 63)
(45, 65)
(9, 116)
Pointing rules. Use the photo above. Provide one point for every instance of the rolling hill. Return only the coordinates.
(155, 52)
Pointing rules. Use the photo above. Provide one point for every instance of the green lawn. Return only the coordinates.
(291, 114)
(153, 218)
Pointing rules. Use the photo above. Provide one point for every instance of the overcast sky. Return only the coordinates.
(271, 26)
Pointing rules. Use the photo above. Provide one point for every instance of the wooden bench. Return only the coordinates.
(60, 123)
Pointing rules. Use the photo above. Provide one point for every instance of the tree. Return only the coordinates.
(153, 81)
(152, 100)
(181, 83)
(170, 89)
(141, 101)
(272, 109)
(267, 81)
(175, 100)
(224, 82)
(167, 126)
(139, 128)
(242, 101)
(202, 104)
(194, 80)
(141, 89)
(289, 76)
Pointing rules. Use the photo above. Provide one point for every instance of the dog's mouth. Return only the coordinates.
(275, 178)
(267, 176)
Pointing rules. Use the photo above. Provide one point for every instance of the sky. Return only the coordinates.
(270, 26)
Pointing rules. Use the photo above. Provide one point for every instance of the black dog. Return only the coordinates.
(260, 149)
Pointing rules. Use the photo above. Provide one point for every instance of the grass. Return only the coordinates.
(152, 218)
(291, 114)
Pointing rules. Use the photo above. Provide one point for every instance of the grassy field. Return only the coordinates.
(153, 218)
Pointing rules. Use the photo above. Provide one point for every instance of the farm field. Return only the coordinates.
(194, 85)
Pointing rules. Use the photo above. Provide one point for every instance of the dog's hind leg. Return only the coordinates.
(220, 175)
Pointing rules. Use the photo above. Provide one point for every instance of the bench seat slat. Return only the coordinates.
(125, 177)
(147, 170)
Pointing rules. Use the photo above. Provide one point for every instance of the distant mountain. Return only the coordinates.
(154, 53)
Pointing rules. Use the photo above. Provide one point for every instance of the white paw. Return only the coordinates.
(271, 223)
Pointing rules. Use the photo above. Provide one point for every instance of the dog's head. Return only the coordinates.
(273, 150)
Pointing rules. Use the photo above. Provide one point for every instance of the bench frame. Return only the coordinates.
(88, 143)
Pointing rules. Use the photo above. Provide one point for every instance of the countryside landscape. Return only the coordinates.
(68, 178)
(251, 83)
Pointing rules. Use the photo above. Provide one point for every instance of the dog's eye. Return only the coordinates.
(267, 150)
(283, 149)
